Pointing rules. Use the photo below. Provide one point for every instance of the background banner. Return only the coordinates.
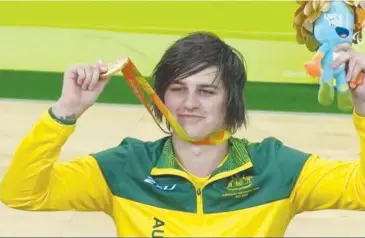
(39, 40)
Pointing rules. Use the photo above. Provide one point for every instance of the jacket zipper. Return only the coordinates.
(199, 201)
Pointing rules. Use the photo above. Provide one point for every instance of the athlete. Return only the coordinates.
(226, 186)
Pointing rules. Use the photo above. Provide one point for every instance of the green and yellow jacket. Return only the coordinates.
(256, 191)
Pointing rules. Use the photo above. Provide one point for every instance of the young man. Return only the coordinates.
(171, 187)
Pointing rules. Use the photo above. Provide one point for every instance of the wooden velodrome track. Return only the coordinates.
(104, 126)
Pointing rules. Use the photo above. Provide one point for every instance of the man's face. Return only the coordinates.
(198, 103)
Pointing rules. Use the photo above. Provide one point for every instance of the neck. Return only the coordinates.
(199, 160)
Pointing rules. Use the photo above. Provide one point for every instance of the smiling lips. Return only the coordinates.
(190, 116)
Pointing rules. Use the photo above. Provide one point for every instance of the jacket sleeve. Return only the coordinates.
(34, 181)
(328, 184)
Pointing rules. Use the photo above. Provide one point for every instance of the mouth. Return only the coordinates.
(189, 116)
(342, 32)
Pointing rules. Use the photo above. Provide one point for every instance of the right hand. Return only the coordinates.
(82, 85)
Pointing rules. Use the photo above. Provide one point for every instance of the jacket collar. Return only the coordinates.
(238, 160)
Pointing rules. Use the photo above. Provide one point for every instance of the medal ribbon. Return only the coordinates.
(137, 83)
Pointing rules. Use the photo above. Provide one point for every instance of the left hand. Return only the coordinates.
(356, 64)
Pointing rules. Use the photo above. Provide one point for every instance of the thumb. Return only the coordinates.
(103, 71)
(103, 68)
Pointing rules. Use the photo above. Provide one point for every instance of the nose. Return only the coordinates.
(342, 32)
(191, 101)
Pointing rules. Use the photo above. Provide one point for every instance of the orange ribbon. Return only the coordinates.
(138, 84)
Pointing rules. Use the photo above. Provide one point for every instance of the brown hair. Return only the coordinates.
(194, 53)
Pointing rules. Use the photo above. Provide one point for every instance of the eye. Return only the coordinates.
(176, 89)
(207, 92)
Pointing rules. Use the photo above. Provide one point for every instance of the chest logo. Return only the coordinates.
(150, 180)
(239, 187)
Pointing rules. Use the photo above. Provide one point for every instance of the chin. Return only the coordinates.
(195, 129)
(195, 132)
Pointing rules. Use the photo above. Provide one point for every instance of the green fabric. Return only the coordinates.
(167, 159)
(326, 94)
(272, 178)
(127, 169)
(236, 158)
(344, 101)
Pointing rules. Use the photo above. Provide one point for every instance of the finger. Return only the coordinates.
(360, 78)
(80, 75)
(350, 69)
(103, 68)
(95, 78)
(342, 47)
(71, 73)
(343, 58)
(104, 78)
(356, 71)
(88, 77)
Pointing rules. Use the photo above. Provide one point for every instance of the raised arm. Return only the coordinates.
(34, 181)
(327, 184)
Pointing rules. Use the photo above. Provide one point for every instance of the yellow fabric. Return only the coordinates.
(133, 219)
(199, 182)
(35, 182)
(329, 184)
